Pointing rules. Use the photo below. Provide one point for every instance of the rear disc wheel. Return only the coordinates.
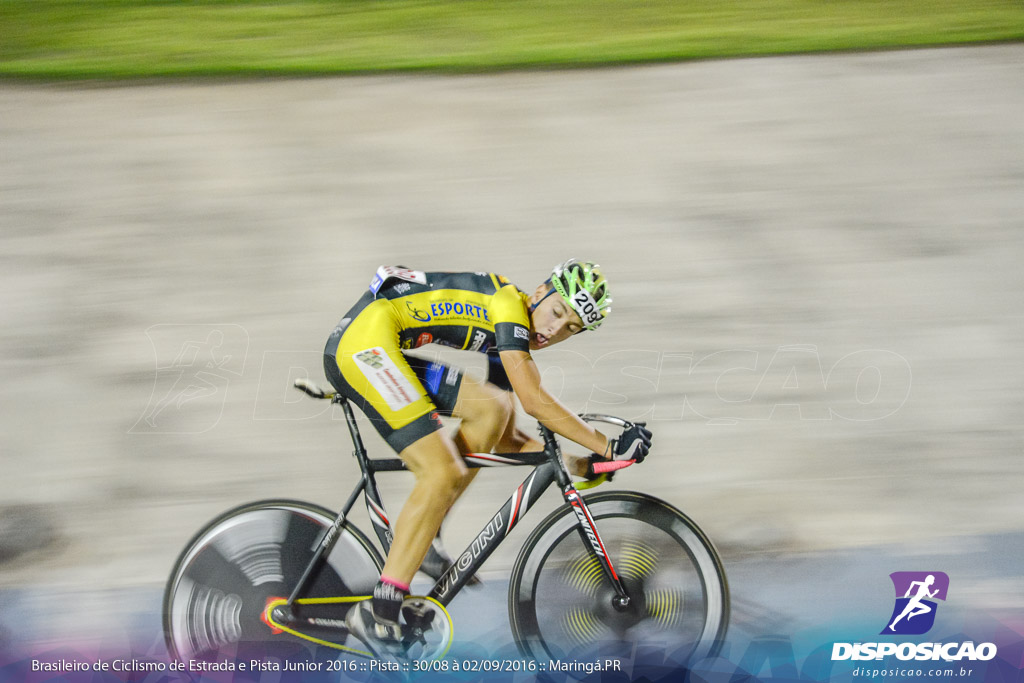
(220, 587)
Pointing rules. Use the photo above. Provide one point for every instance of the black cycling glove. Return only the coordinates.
(633, 444)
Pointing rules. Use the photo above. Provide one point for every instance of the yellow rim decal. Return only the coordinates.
(585, 575)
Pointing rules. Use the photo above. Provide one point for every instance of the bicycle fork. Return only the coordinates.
(587, 528)
(588, 532)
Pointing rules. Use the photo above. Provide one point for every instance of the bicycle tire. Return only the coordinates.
(219, 586)
(560, 601)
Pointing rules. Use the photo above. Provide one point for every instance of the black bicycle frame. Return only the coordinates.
(548, 469)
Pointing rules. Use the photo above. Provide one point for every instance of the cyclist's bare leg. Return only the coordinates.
(489, 424)
(485, 412)
(439, 469)
(515, 440)
(440, 473)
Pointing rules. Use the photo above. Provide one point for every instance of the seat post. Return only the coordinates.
(350, 419)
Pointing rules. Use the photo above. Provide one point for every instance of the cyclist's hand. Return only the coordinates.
(634, 444)
(600, 469)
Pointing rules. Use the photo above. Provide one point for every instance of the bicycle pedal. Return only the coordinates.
(417, 613)
(428, 627)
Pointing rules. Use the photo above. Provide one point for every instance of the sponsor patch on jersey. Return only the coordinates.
(385, 273)
(372, 357)
(386, 378)
(433, 378)
(522, 333)
(462, 309)
(416, 313)
(424, 338)
(479, 341)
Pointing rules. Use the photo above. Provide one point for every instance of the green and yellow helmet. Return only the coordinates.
(584, 288)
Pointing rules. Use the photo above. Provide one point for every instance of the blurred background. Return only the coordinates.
(815, 263)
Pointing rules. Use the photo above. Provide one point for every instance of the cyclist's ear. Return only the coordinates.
(539, 293)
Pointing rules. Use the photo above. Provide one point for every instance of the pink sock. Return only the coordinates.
(404, 587)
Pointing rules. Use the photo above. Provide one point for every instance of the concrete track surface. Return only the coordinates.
(817, 279)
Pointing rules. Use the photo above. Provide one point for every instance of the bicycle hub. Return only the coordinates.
(621, 603)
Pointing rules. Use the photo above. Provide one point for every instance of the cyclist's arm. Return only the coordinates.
(524, 377)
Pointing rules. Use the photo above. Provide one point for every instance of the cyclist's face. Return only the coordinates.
(552, 321)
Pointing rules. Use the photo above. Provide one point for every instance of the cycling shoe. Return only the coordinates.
(382, 637)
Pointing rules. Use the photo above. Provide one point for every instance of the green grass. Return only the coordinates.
(145, 38)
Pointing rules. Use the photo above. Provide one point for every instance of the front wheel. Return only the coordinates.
(220, 586)
(561, 604)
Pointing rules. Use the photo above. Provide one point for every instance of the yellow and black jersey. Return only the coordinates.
(471, 311)
(405, 309)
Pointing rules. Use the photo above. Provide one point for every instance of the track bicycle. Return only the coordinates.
(276, 577)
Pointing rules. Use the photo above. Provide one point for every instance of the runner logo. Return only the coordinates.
(913, 615)
(916, 593)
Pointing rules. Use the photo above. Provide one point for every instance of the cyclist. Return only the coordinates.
(403, 396)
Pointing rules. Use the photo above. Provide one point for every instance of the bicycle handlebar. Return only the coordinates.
(312, 389)
(609, 419)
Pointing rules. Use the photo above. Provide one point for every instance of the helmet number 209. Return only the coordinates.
(585, 305)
